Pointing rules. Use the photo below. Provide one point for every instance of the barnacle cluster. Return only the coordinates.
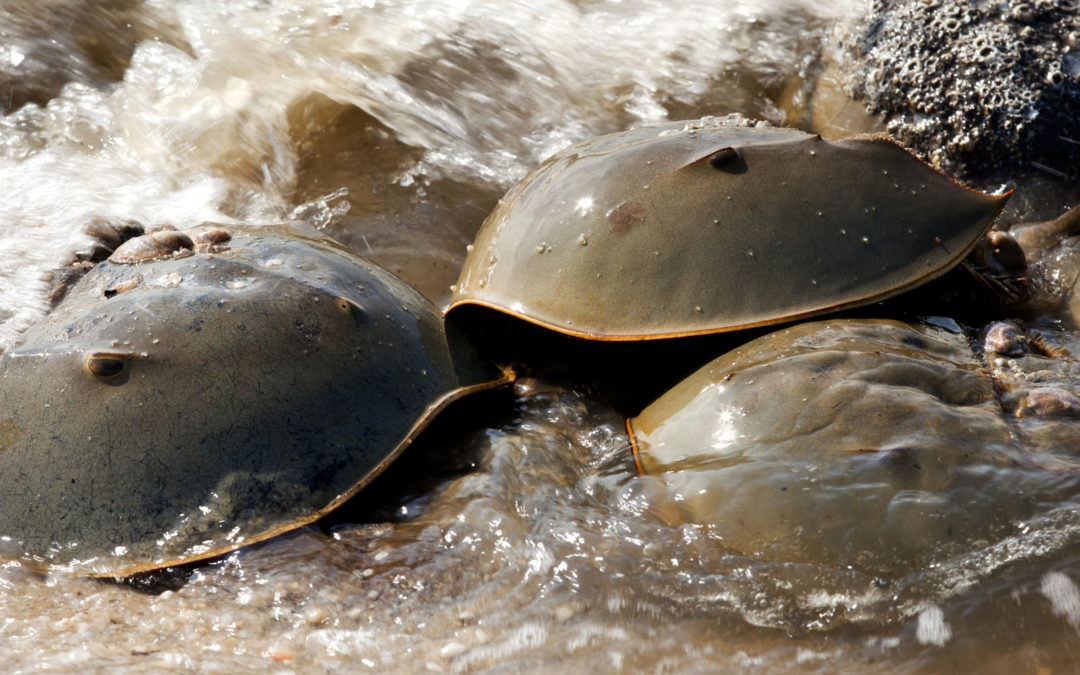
(974, 87)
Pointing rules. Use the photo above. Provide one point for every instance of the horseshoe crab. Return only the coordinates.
(864, 443)
(701, 227)
(202, 391)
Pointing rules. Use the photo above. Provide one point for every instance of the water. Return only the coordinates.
(518, 538)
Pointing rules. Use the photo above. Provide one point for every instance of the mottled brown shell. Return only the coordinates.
(702, 227)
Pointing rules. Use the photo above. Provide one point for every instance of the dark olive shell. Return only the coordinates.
(870, 444)
(172, 410)
(700, 227)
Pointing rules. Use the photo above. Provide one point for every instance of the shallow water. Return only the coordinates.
(517, 537)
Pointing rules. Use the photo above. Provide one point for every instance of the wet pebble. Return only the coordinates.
(205, 237)
(154, 246)
(1005, 339)
(1044, 402)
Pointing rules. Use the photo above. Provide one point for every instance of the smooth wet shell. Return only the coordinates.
(690, 228)
(217, 400)
(872, 444)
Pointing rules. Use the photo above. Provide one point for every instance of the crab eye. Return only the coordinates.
(350, 308)
(103, 365)
(728, 160)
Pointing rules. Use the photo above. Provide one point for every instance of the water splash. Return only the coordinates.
(196, 124)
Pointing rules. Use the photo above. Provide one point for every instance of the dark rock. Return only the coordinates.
(977, 88)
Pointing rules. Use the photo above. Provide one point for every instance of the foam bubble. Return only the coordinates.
(1064, 596)
(931, 628)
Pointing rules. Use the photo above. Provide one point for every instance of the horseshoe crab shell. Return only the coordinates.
(873, 444)
(196, 401)
(703, 227)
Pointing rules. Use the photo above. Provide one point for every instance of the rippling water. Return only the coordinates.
(527, 543)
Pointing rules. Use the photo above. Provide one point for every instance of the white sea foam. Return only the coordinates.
(1064, 596)
(931, 628)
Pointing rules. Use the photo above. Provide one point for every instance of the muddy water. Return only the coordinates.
(515, 537)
